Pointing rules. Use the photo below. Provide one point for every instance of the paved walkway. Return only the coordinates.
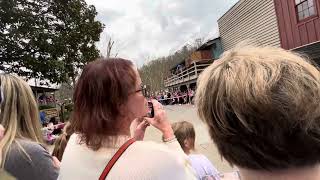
(204, 144)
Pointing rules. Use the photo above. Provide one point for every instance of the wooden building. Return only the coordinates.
(212, 49)
(186, 77)
(299, 25)
(290, 24)
(253, 20)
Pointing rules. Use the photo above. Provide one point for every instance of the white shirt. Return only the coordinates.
(142, 160)
(203, 166)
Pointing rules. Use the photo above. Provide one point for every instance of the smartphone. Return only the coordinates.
(150, 110)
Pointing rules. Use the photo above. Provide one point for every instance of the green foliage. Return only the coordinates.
(47, 39)
(67, 111)
(69, 107)
(66, 116)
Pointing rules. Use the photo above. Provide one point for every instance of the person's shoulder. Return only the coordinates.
(164, 162)
(73, 137)
(33, 150)
(30, 160)
(159, 152)
(200, 157)
(202, 160)
(29, 146)
(23, 152)
(152, 146)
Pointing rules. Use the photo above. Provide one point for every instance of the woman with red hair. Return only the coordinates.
(108, 97)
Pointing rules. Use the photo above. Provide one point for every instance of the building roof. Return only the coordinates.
(45, 89)
(42, 85)
(207, 44)
(202, 47)
(37, 84)
(312, 49)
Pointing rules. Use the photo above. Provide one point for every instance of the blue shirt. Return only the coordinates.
(42, 117)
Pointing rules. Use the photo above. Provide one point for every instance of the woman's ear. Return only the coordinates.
(186, 144)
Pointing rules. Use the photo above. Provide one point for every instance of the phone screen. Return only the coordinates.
(150, 110)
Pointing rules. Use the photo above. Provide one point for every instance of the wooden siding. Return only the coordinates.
(294, 33)
(200, 55)
(253, 20)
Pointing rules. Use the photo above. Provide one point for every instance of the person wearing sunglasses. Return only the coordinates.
(109, 104)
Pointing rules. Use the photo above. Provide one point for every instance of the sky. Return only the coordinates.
(143, 30)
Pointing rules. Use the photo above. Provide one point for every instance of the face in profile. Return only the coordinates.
(137, 104)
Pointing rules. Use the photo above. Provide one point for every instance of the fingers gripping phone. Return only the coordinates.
(150, 110)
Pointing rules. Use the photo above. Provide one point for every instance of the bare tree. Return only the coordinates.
(198, 42)
(156, 71)
(109, 47)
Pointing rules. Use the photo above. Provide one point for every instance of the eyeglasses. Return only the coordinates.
(143, 89)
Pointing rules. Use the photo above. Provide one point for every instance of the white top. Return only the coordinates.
(142, 160)
(203, 167)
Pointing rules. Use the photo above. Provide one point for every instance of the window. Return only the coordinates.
(214, 46)
(305, 8)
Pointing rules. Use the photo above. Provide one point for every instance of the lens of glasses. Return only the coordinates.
(144, 90)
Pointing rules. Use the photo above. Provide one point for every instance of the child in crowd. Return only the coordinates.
(185, 133)
(51, 131)
(48, 137)
(61, 142)
(57, 129)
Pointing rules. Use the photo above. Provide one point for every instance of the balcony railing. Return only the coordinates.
(192, 73)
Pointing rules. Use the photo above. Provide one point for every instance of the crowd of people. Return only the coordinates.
(51, 130)
(46, 100)
(174, 97)
(260, 104)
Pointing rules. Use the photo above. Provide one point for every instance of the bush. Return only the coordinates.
(69, 107)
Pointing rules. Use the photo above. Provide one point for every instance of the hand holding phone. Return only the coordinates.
(159, 119)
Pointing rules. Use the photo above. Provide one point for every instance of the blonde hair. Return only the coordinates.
(261, 105)
(184, 130)
(18, 114)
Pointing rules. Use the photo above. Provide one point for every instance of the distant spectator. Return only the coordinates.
(47, 133)
(191, 95)
(185, 133)
(42, 97)
(43, 118)
(168, 96)
(53, 120)
(56, 129)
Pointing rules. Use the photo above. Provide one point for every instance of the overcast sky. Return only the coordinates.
(147, 29)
